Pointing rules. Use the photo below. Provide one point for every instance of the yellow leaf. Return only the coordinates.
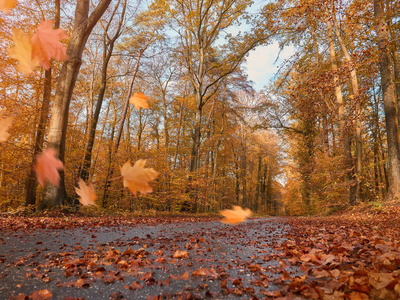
(5, 123)
(137, 178)
(22, 51)
(86, 193)
(235, 216)
(6, 5)
(139, 100)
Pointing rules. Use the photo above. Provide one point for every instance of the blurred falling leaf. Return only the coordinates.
(137, 178)
(139, 100)
(47, 166)
(46, 44)
(6, 5)
(86, 193)
(235, 216)
(22, 51)
(5, 124)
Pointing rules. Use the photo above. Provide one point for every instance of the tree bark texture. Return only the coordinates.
(108, 46)
(83, 25)
(346, 141)
(358, 136)
(389, 102)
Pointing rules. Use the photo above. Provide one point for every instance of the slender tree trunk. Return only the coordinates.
(342, 117)
(178, 134)
(358, 137)
(83, 25)
(258, 187)
(31, 182)
(195, 156)
(126, 105)
(108, 47)
(389, 101)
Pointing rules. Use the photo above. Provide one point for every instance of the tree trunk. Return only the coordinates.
(178, 134)
(342, 117)
(83, 25)
(354, 84)
(389, 101)
(31, 182)
(121, 125)
(195, 156)
(107, 52)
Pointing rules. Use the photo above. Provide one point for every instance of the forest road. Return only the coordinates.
(212, 260)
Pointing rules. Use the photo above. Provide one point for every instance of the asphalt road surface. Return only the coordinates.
(212, 260)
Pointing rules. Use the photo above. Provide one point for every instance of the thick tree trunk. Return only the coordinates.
(83, 25)
(389, 101)
(346, 141)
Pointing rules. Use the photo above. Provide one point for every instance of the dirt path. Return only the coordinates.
(137, 261)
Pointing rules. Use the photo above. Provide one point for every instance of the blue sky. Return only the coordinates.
(261, 66)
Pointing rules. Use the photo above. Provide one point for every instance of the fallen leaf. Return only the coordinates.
(185, 276)
(47, 166)
(139, 100)
(235, 216)
(6, 5)
(41, 295)
(86, 193)
(358, 296)
(46, 44)
(137, 178)
(204, 272)
(380, 280)
(5, 124)
(22, 51)
(180, 254)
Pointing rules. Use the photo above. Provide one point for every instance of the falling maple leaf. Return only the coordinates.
(86, 193)
(139, 100)
(137, 178)
(235, 216)
(22, 51)
(6, 5)
(5, 123)
(46, 44)
(47, 166)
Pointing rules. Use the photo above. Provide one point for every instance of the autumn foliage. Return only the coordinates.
(313, 141)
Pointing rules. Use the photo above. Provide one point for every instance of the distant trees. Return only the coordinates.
(329, 90)
(333, 106)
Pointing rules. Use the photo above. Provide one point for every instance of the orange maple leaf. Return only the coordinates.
(86, 193)
(47, 166)
(137, 178)
(5, 123)
(139, 100)
(6, 5)
(235, 216)
(22, 51)
(46, 44)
